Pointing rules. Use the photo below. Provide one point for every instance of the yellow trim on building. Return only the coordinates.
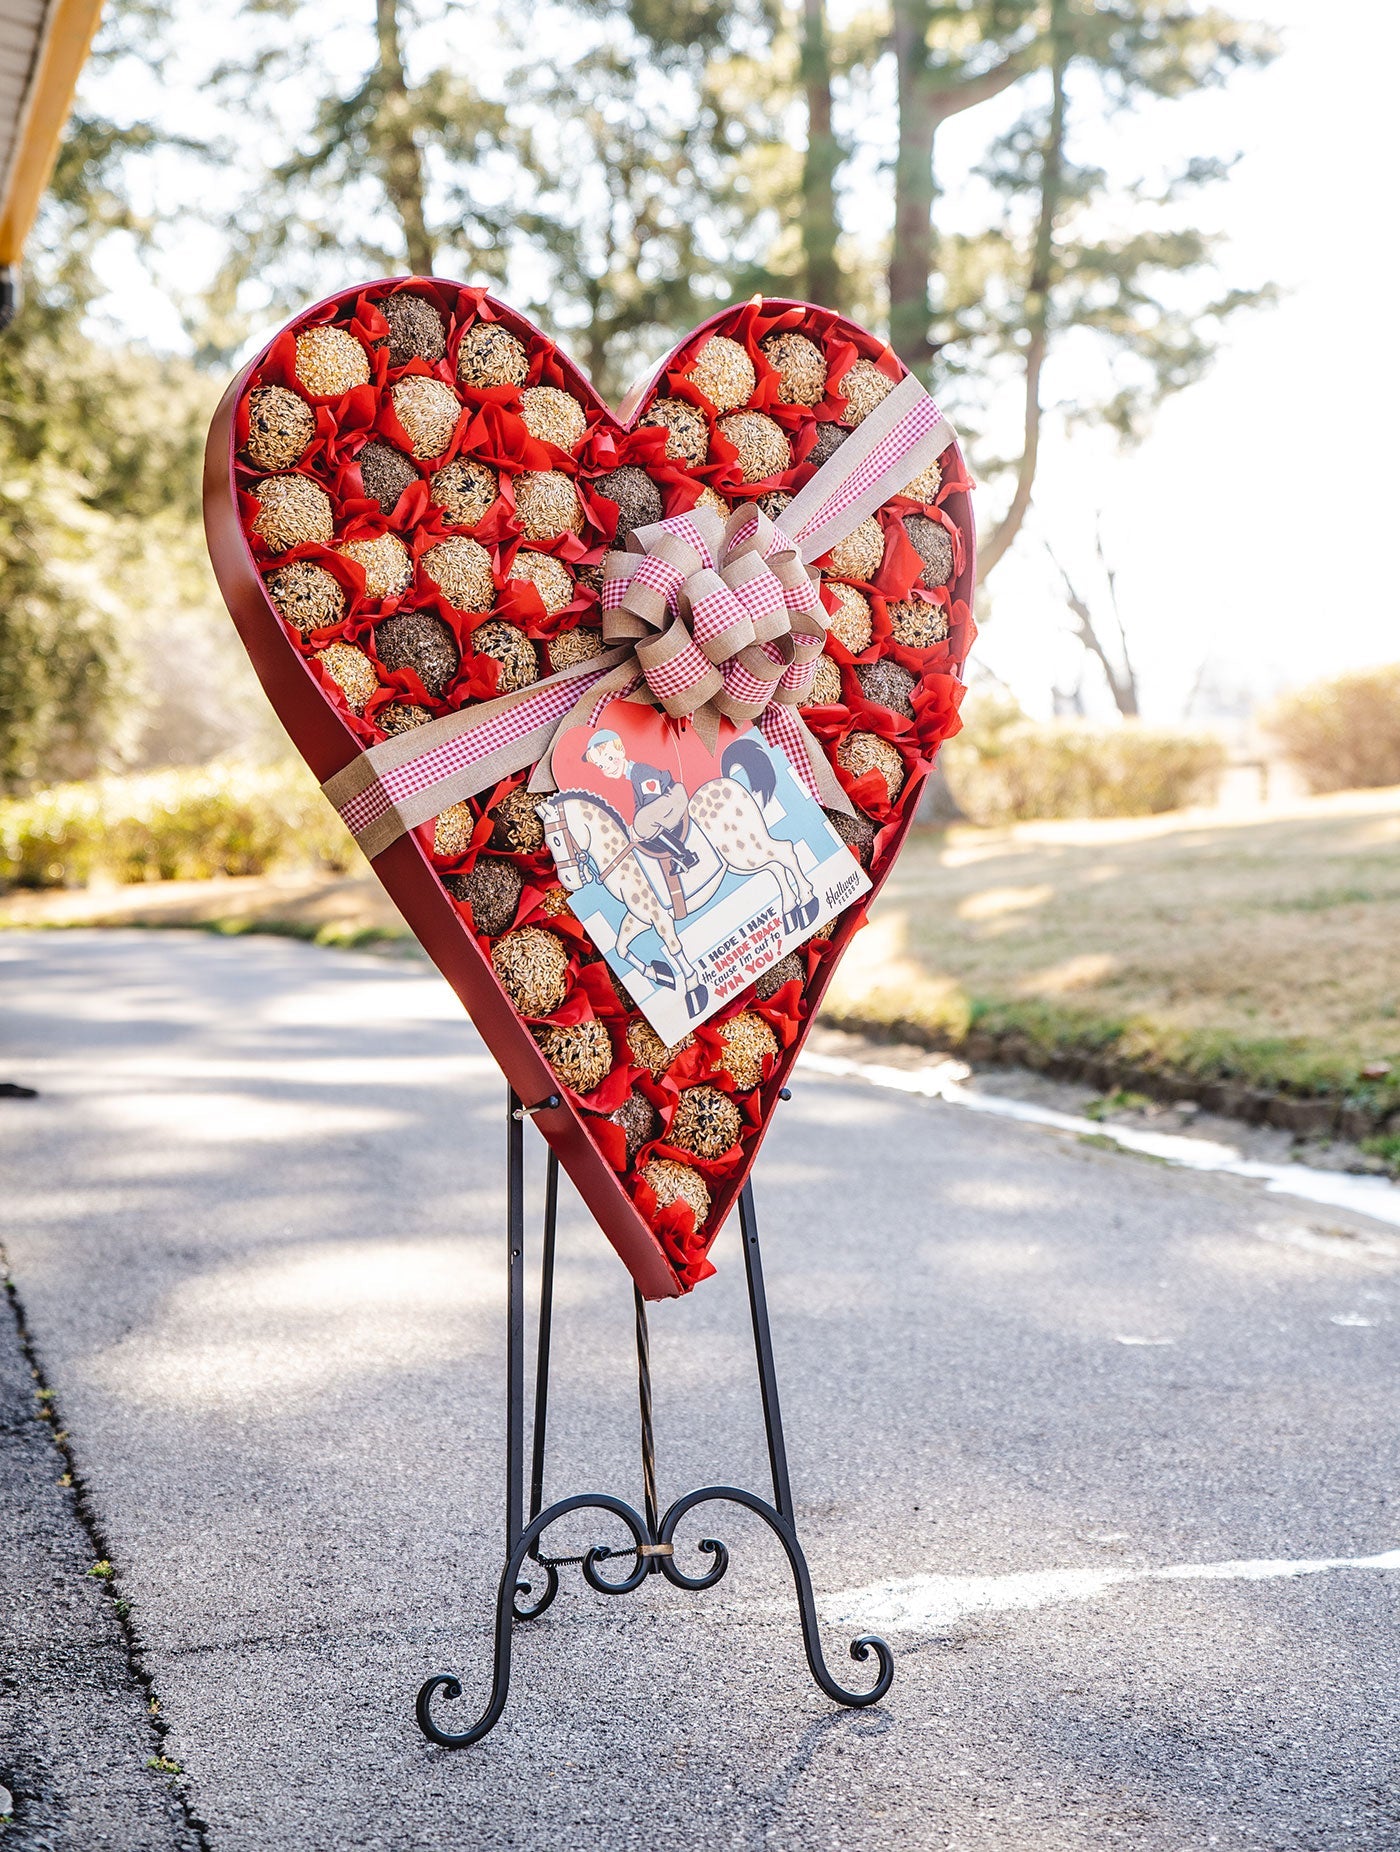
(67, 38)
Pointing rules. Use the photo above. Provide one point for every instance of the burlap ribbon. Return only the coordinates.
(706, 618)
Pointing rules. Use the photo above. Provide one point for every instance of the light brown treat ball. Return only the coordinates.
(858, 833)
(581, 1053)
(330, 362)
(916, 624)
(648, 1049)
(800, 364)
(428, 410)
(687, 433)
(401, 717)
(511, 650)
(711, 499)
(747, 1039)
(386, 473)
(852, 622)
(889, 684)
(533, 968)
(416, 329)
(638, 499)
(292, 512)
(461, 570)
(830, 438)
(493, 888)
(859, 555)
(420, 641)
(547, 505)
(774, 503)
(638, 1119)
(826, 684)
(490, 355)
(351, 671)
(554, 901)
(516, 823)
(707, 1123)
(671, 1182)
(934, 546)
(280, 426)
(306, 595)
(552, 416)
(723, 371)
(925, 486)
(867, 752)
(464, 492)
(453, 829)
(577, 645)
(385, 562)
(864, 386)
(762, 445)
(589, 576)
(771, 981)
(550, 577)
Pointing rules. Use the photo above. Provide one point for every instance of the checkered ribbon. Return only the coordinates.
(706, 617)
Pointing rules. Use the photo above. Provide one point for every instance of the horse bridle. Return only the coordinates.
(573, 855)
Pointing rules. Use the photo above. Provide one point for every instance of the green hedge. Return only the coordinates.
(183, 825)
(1344, 734)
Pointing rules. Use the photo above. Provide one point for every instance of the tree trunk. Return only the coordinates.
(400, 158)
(823, 281)
(911, 257)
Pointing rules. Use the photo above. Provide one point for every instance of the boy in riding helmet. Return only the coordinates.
(661, 803)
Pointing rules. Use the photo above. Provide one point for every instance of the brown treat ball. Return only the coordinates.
(830, 438)
(416, 329)
(687, 433)
(292, 512)
(671, 1182)
(774, 502)
(723, 371)
(385, 562)
(533, 968)
(428, 410)
(330, 361)
(715, 502)
(858, 834)
(706, 1123)
(351, 671)
(826, 684)
(771, 981)
(418, 640)
(800, 364)
(280, 426)
(550, 577)
(638, 499)
(581, 1053)
(512, 650)
(925, 486)
(547, 504)
(852, 622)
(934, 546)
(746, 1039)
(452, 830)
(517, 825)
(864, 386)
(464, 492)
(306, 595)
(493, 888)
(859, 555)
(867, 752)
(762, 445)
(638, 1119)
(489, 355)
(554, 901)
(648, 1049)
(386, 473)
(577, 645)
(590, 576)
(916, 624)
(552, 416)
(889, 684)
(461, 570)
(401, 717)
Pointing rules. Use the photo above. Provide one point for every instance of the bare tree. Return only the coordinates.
(1117, 666)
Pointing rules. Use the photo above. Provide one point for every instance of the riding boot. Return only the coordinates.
(685, 858)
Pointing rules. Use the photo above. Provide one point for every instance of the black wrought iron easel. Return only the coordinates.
(653, 1547)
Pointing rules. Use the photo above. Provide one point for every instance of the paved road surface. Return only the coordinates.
(253, 1223)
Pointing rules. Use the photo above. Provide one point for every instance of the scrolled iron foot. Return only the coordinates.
(532, 1610)
(860, 1649)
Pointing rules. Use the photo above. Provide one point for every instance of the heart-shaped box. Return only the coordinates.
(414, 450)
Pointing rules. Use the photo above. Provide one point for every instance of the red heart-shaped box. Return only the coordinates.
(905, 606)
